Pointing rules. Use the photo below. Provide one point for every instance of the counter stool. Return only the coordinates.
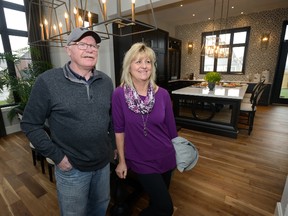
(37, 156)
(51, 165)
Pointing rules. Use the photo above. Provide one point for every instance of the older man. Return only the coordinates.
(76, 101)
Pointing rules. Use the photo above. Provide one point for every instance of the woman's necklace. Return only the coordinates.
(145, 123)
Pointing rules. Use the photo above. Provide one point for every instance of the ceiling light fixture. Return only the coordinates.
(56, 18)
(214, 46)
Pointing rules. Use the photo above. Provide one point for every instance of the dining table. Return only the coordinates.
(196, 107)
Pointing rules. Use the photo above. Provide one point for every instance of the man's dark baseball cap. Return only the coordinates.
(78, 33)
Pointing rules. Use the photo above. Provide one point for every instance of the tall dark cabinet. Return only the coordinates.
(174, 58)
(157, 39)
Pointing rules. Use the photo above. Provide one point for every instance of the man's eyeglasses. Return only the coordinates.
(84, 46)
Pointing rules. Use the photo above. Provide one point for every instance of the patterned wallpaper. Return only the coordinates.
(258, 59)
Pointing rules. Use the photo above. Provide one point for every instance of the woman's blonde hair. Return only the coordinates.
(138, 49)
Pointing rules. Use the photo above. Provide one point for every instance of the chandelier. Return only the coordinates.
(214, 46)
(52, 20)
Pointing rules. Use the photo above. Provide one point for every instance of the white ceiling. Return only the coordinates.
(173, 14)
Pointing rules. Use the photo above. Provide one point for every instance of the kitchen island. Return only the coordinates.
(214, 112)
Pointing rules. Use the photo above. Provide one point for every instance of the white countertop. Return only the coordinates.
(227, 81)
(219, 92)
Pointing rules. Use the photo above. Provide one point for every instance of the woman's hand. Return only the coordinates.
(121, 170)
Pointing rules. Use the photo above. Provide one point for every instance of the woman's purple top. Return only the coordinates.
(153, 153)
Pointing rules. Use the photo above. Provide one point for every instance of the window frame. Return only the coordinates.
(5, 33)
(230, 46)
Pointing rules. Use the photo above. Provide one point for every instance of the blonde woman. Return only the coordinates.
(144, 126)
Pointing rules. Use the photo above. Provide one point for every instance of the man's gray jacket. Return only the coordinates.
(78, 115)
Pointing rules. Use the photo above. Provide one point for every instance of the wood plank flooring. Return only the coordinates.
(233, 177)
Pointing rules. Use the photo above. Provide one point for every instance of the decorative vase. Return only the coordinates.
(211, 86)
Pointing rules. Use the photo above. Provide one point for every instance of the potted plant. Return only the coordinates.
(21, 84)
(212, 78)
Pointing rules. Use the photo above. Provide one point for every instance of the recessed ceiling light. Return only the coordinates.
(242, 12)
(193, 15)
(232, 7)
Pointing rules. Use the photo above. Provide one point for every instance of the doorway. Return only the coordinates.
(280, 85)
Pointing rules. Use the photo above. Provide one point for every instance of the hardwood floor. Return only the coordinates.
(243, 176)
(24, 190)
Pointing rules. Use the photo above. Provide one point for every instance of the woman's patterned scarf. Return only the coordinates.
(135, 103)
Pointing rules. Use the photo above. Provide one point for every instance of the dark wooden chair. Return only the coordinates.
(248, 110)
(248, 97)
(36, 156)
(124, 192)
(50, 165)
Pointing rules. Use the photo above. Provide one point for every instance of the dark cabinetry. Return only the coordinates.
(156, 39)
(174, 59)
(178, 84)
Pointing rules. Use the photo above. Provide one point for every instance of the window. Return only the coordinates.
(225, 51)
(20, 2)
(286, 33)
(17, 43)
(13, 37)
(12, 23)
(5, 92)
